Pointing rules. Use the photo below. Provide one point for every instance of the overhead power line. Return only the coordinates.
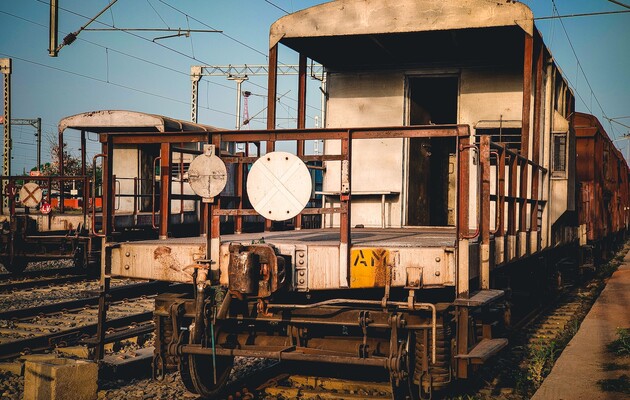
(617, 122)
(178, 31)
(619, 3)
(72, 36)
(110, 83)
(210, 27)
(177, 51)
(277, 6)
(579, 65)
(237, 41)
(135, 58)
(160, 65)
(591, 14)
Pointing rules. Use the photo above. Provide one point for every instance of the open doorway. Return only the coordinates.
(431, 185)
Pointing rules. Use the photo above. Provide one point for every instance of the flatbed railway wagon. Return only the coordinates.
(69, 225)
(440, 131)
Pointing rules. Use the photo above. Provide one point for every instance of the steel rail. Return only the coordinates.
(69, 336)
(46, 281)
(117, 293)
(41, 273)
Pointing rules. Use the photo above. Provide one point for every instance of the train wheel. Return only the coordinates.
(15, 266)
(421, 384)
(406, 388)
(197, 372)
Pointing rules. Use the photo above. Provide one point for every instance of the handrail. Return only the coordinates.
(475, 148)
(93, 197)
(155, 160)
(116, 193)
(497, 215)
(519, 157)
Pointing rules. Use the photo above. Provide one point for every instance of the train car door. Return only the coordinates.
(432, 100)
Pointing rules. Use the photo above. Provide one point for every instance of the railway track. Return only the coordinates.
(22, 282)
(538, 339)
(290, 380)
(70, 322)
(40, 273)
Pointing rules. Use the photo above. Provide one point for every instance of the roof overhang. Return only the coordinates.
(346, 32)
(128, 121)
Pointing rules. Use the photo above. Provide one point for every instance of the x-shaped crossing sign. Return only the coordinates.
(30, 194)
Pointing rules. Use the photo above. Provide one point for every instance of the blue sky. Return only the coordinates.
(116, 70)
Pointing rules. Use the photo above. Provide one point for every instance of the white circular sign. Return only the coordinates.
(207, 175)
(30, 194)
(279, 185)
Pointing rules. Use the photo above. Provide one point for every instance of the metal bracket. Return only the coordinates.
(345, 177)
(208, 150)
(364, 321)
(414, 277)
(301, 268)
(176, 310)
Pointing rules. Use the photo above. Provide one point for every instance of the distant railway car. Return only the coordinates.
(602, 173)
(69, 227)
(450, 160)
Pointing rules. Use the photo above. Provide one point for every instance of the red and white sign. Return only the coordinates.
(45, 208)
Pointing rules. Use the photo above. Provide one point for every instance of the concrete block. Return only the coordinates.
(16, 368)
(60, 378)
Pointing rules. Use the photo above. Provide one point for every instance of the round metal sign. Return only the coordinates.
(279, 186)
(207, 175)
(30, 194)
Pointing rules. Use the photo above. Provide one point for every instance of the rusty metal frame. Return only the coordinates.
(461, 132)
(539, 50)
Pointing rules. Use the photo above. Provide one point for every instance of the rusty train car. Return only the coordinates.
(602, 173)
(58, 216)
(450, 164)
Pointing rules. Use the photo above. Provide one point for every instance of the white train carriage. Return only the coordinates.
(448, 154)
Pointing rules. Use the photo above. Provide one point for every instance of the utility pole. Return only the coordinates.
(52, 26)
(37, 124)
(237, 72)
(239, 82)
(5, 68)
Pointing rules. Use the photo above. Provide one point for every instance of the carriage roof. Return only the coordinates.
(373, 30)
(128, 121)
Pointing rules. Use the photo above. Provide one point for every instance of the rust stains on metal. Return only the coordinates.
(162, 254)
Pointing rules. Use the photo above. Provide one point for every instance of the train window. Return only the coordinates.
(559, 152)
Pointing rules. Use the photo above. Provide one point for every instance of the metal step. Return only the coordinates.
(484, 350)
(480, 298)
